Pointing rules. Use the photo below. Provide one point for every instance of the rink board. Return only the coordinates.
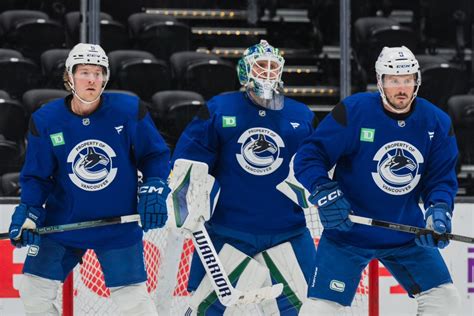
(393, 300)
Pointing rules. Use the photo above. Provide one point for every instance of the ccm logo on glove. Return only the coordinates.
(330, 197)
(150, 189)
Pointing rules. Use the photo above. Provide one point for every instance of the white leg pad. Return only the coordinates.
(252, 277)
(320, 307)
(39, 295)
(133, 300)
(284, 259)
(441, 300)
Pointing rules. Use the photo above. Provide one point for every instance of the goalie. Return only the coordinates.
(247, 140)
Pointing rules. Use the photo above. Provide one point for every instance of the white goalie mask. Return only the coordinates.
(259, 71)
(87, 54)
(397, 61)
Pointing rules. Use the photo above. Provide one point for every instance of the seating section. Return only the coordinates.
(204, 73)
(177, 54)
(173, 110)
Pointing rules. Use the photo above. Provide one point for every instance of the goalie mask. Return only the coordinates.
(259, 71)
(397, 61)
(87, 54)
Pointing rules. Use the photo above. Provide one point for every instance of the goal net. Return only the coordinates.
(168, 256)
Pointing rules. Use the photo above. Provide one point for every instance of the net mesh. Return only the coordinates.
(167, 257)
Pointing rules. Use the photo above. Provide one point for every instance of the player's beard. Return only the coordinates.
(401, 106)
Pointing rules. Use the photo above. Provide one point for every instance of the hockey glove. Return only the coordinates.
(152, 203)
(438, 218)
(25, 219)
(332, 206)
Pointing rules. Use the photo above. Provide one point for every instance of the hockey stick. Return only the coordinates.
(82, 225)
(408, 229)
(193, 197)
(226, 293)
(295, 191)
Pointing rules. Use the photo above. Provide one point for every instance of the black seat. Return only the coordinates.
(139, 71)
(11, 156)
(160, 35)
(441, 79)
(121, 91)
(373, 33)
(4, 95)
(30, 32)
(13, 119)
(113, 34)
(9, 53)
(203, 73)
(34, 99)
(18, 73)
(461, 111)
(52, 67)
(10, 183)
(173, 110)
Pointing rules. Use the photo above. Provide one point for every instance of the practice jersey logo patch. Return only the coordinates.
(260, 151)
(367, 135)
(57, 139)
(229, 121)
(90, 164)
(398, 166)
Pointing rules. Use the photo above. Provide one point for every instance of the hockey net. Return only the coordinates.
(167, 257)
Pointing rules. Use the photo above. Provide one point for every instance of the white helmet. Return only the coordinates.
(396, 61)
(89, 54)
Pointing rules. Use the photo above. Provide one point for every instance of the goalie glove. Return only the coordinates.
(438, 218)
(25, 220)
(152, 203)
(333, 208)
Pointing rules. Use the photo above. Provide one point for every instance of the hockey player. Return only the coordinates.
(390, 149)
(81, 163)
(247, 139)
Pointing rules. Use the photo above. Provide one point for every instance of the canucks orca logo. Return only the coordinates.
(91, 165)
(260, 151)
(398, 165)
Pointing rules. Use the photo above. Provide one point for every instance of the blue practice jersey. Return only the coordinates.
(85, 167)
(248, 149)
(385, 163)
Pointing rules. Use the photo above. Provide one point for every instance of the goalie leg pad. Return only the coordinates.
(133, 299)
(440, 300)
(291, 264)
(320, 307)
(38, 295)
(249, 273)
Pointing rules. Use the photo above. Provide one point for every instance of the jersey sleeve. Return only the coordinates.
(200, 140)
(439, 183)
(40, 163)
(322, 149)
(151, 152)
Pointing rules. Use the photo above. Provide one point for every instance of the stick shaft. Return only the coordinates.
(213, 265)
(82, 225)
(406, 228)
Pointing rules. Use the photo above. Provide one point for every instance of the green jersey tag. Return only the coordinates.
(229, 121)
(57, 139)
(367, 135)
